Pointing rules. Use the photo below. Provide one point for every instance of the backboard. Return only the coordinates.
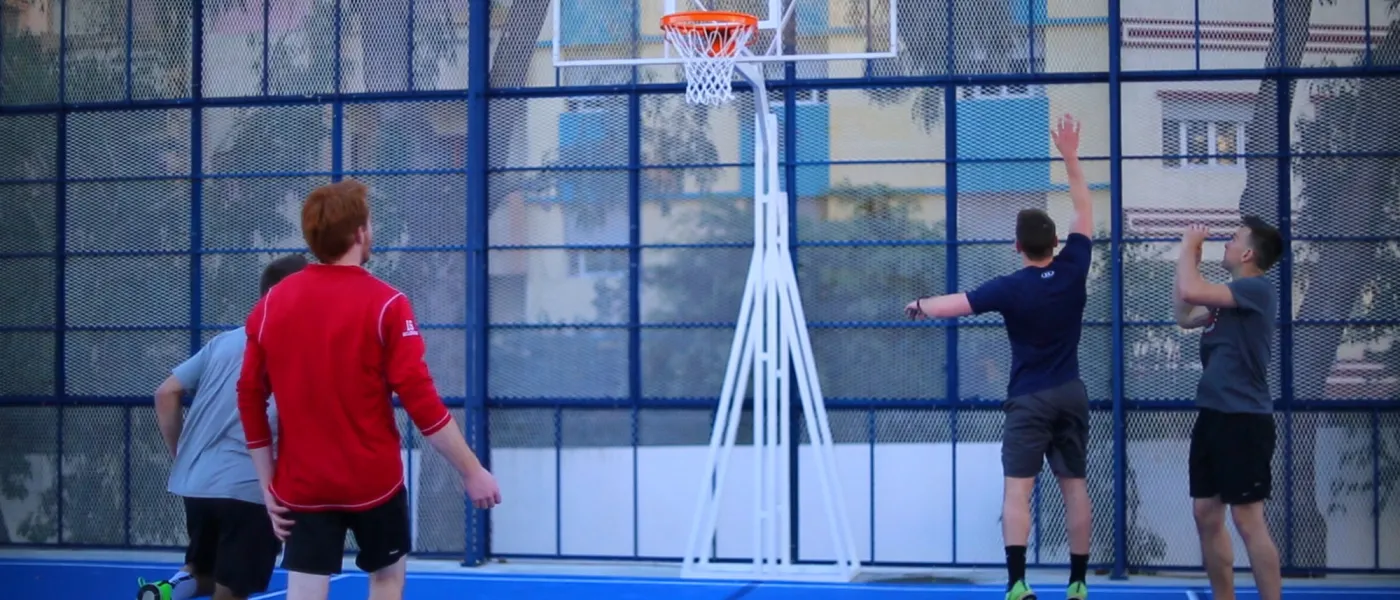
(628, 32)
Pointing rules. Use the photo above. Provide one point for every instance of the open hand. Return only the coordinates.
(482, 489)
(914, 311)
(1066, 136)
(280, 515)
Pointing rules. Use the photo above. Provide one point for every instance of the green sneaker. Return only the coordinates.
(1077, 591)
(159, 590)
(1020, 591)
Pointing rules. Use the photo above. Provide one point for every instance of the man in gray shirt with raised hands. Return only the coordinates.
(1232, 444)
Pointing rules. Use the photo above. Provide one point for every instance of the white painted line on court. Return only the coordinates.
(612, 581)
(1191, 595)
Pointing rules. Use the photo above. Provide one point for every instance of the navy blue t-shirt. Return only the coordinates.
(1043, 308)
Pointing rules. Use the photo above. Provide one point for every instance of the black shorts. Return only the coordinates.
(1049, 425)
(231, 540)
(1232, 456)
(317, 542)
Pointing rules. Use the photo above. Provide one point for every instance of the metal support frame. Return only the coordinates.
(771, 343)
(1115, 250)
(478, 534)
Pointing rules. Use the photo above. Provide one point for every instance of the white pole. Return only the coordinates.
(772, 345)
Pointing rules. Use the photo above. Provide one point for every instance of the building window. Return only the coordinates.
(997, 55)
(1198, 143)
(1204, 129)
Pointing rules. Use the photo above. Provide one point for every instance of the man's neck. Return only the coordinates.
(349, 259)
(1041, 263)
(1245, 271)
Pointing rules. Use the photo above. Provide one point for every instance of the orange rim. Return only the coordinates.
(705, 22)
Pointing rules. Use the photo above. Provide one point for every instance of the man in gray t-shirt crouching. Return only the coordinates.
(232, 549)
(1232, 444)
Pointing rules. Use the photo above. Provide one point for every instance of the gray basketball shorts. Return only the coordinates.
(1051, 425)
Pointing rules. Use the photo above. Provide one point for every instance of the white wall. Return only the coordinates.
(913, 502)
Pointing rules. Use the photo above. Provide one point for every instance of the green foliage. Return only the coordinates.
(1352, 117)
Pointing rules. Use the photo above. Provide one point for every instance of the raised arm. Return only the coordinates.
(1066, 138)
(992, 296)
(1188, 316)
(1192, 295)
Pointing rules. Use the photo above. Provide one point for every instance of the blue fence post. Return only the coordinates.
(950, 270)
(130, 27)
(60, 379)
(1283, 103)
(196, 316)
(477, 533)
(126, 476)
(789, 163)
(412, 79)
(336, 60)
(266, 43)
(634, 292)
(1376, 487)
(1115, 249)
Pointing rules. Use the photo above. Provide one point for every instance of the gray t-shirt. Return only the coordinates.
(1236, 349)
(212, 459)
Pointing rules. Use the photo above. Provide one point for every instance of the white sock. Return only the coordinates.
(184, 586)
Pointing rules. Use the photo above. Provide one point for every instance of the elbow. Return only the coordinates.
(168, 396)
(1191, 295)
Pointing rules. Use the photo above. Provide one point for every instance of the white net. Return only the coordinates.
(708, 47)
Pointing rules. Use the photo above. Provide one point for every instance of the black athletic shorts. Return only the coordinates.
(1049, 425)
(233, 541)
(317, 542)
(1232, 456)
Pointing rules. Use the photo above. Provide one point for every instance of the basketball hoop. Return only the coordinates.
(708, 43)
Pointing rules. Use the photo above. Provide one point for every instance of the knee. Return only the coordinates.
(1210, 516)
(1250, 522)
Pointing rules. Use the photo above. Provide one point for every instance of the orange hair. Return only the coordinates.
(330, 217)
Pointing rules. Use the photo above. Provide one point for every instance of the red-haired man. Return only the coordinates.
(333, 342)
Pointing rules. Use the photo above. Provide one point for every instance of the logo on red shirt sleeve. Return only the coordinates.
(408, 328)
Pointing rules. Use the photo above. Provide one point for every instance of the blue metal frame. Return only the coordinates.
(60, 322)
(477, 400)
(478, 297)
(1115, 249)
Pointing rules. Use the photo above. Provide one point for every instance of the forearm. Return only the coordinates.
(1188, 272)
(262, 462)
(450, 443)
(1078, 186)
(1181, 310)
(170, 417)
(1079, 196)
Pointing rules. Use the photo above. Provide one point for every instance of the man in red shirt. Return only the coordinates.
(332, 343)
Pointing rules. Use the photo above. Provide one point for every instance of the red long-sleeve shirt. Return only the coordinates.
(332, 343)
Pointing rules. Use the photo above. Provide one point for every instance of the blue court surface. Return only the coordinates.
(90, 580)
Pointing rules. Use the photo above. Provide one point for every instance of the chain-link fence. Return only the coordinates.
(575, 243)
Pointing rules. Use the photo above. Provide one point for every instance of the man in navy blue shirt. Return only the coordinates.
(1047, 407)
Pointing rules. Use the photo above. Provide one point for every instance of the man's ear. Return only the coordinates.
(1018, 247)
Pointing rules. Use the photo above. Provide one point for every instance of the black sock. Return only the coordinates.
(1015, 564)
(1078, 567)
